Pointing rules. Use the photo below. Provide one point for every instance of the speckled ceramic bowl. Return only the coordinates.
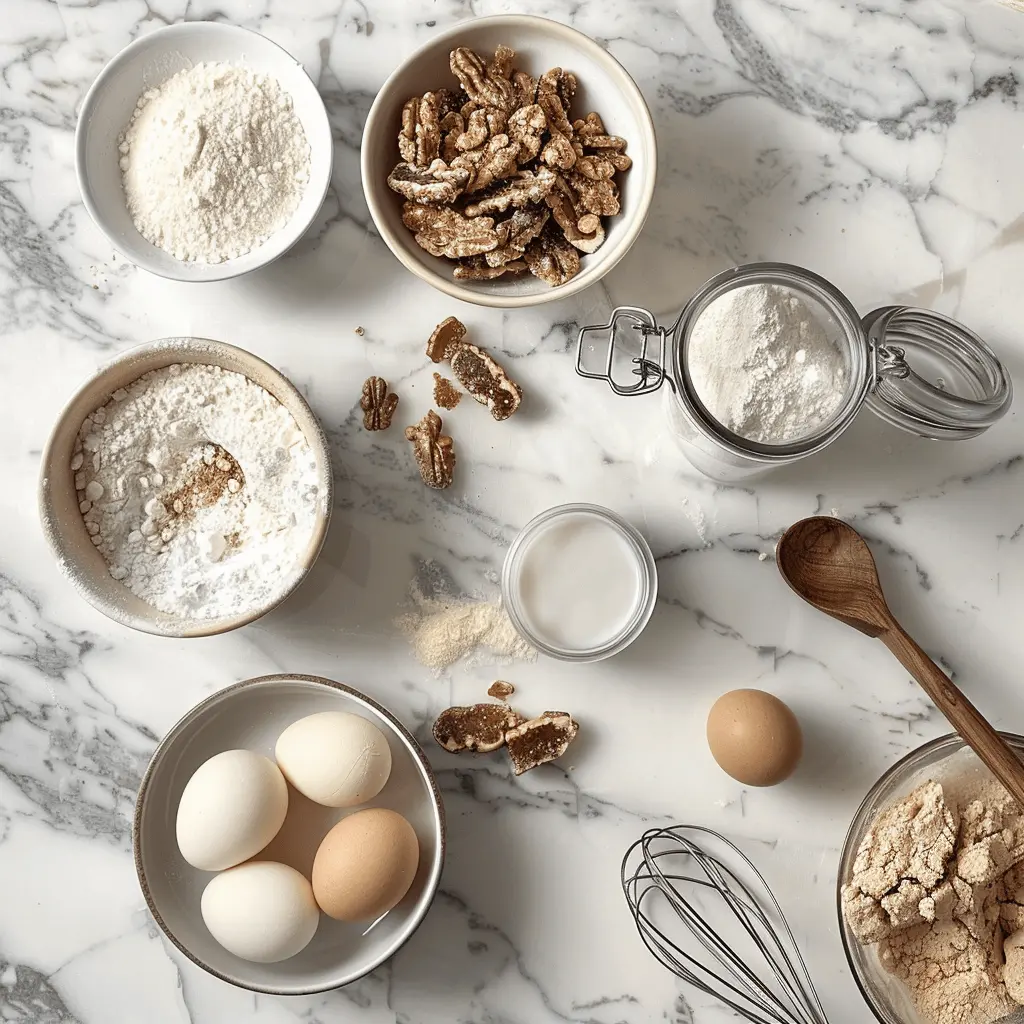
(62, 521)
(944, 758)
(252, 714)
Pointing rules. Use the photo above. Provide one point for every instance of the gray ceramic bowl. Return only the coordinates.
(144, 64)
(62, 522)
(605, 86)
(252, 714)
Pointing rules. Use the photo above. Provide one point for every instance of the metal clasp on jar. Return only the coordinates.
(652, 373)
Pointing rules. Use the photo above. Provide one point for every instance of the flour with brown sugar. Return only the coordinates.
(938, 885)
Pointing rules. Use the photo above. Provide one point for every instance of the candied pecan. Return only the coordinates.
(525, 188)
(501, 65)
(500, 689)
(436, 185)
(482, 88)
(476, 268)
(447, 336)
(592, 135)
(480, 728)
(540, 740)
(492, 162)
(550, 91)
(446, 394)
(526, 88)
(484, 123)
(434, 451)
(516, 233)
(589, 126)
(620, 161)
(569, 219)
(600, 197)
(407, 133)
(559, 152)
(445, 232)
(452, 126)
(377, 403)
(484, 379)
(551, 258)
(595, 167)
(527, 126)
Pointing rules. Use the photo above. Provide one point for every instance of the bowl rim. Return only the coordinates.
(954, 741)
(427, 772)
(585, 278)
(55, 536)
(212, 272)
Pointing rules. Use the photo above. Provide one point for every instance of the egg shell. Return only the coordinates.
(233, 805)
(754, 737)
(334, 758)
(261, 911)
(365, 865)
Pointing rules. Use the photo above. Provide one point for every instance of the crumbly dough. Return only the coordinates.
(938, 883)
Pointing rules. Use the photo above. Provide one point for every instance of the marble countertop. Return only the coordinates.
(878, 144)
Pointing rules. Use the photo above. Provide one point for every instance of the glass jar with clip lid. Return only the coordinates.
(918, 370)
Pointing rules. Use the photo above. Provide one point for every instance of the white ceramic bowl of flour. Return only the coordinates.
(147, 63)
(65, 526)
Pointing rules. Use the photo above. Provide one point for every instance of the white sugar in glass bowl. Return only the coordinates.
(604, 86)
(65, 529)
(252, 715)
(144, 64)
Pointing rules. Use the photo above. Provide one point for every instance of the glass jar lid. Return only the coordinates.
(932, 376)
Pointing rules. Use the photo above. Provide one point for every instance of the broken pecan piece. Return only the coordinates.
(500, 689)
(494, 161)
(540, 740)
(434, 451)
(516, 233)
(420, 138)
(436, 185)
(527, 126)
(447, 336)
(480, 727)
(485, 85)
(481, 377)
(446, 395)
(551, 258)
(570, 219)
(377, 403)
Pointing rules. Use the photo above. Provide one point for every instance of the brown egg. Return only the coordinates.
(365, 865)
(754, 737)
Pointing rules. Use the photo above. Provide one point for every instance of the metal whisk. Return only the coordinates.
(723, 933)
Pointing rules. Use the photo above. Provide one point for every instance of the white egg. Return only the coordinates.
(334, 758)
(233, 805)
(261, 911)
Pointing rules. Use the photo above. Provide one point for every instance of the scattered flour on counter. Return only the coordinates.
(199, 489)
(764, 366)
(213, 162)
(695, 514)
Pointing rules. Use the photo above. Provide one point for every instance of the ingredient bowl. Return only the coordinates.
(943, 758)
(251, 715)
(604, 86)
(145, 64)
(65, 528)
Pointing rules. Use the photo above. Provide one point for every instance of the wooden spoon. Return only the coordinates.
(828, 564)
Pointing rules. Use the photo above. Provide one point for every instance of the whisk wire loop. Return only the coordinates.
(782, 994)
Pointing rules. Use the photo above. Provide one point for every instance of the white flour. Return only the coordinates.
(213, 162)
(764, 365)
(199, 489)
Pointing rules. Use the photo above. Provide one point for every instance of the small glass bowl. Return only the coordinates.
(646, 569)
(943, 758)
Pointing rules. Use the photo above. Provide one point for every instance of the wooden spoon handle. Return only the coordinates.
(990, 747)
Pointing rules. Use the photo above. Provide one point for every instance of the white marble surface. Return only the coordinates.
(879, 144)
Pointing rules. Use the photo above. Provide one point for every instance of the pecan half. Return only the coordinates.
(476, 268)
(480, 728)
(525, 188)
(447, 336)
(527, 126)
(434, 451)
(540, 740)
(377, 403)
(573, 222)
(445, 232)
(516, 233)
(485, 85)
(436, 185)
(551, 258)
(494, 161)
(484, 379)
(420, 138)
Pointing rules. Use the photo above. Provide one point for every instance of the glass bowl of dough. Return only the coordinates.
(931, 891)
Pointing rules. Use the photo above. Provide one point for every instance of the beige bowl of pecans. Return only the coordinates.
(509, 161)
